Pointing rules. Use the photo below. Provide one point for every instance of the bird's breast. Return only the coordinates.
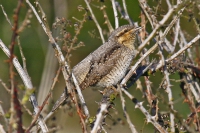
(118, 70)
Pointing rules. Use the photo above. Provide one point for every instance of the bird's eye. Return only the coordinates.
(125, 30)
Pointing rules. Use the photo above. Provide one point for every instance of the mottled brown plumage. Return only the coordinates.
(108, 64)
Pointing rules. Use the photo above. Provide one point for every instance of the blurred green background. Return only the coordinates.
(36, 47)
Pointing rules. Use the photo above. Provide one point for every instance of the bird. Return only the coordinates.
(108, 64)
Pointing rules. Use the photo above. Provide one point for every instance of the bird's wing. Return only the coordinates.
(96, 65)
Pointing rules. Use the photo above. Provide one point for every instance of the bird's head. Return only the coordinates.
(125, 35)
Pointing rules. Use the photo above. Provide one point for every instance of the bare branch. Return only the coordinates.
(27, 83)
(115, 14)
(95, 20)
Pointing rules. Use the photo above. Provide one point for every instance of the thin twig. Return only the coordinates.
(131, 126)
(23, 73)
(50, 91)
(6, 88)
(184, 48)
(163, 21)
(126, 12)
(95, 20)
(11, 71)
(6, 16)
(3, 115)
(144, 111)
(83, 103)
(107, 21)
(115, 14)
(38, 114)
(99, 117)
(64, 65)
(187, 46)
(169, 92)
(27, 82)
(103, 110)
(26, 21)
(22, 54)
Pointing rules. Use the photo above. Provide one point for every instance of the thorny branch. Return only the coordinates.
(22, 71)
(27, 83)
(14, 96)
(64, 65)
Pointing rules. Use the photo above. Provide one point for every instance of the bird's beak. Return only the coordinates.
(137, 28)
